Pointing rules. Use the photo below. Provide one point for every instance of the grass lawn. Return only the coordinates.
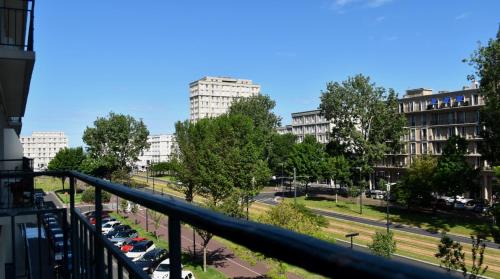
(48, 184)
(451, 223)
(63, 196)
(197, 270)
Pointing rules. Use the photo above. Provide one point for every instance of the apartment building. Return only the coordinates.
(284, 130)
(432, 119)
(42, 147)
(212, 96)
(162, 148)
(17, 60)
(310, 123)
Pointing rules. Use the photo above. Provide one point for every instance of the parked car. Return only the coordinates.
(163, 271)
(127, 245)
(122, 236)
(150, 260)
(378, 194)
(107, 227)
(459, 205)
(117, 229)
(140, 249)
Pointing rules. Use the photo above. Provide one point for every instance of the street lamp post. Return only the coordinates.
(388, 193)
(294, 186)
(351, 235)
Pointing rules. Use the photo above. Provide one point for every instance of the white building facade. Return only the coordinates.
(311, 123)
(212, 96)
(42, 147)
(162, 148)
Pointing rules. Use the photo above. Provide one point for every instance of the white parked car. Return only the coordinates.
(140, 249)
(163, 271)
(107, 227)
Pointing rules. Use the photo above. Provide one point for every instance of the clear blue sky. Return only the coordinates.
(138, 57)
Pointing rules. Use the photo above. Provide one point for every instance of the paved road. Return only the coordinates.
(269, 198)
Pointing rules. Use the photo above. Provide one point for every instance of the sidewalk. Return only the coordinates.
(218, 256)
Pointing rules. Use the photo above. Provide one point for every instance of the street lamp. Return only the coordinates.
(388, 193)
(351, 235)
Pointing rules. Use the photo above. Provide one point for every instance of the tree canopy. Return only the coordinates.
(259, 109)
(117, 139)
(309, 159)
(453, 174)
(68, 159)
(486, 61)
(417, 183)
(367, 122)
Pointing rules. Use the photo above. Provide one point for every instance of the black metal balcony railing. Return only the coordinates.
(93, 256)
(16, 24)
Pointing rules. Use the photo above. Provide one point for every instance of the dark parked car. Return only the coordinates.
(149, 261)
(117, 229)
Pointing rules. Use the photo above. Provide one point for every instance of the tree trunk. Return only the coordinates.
(204, 258)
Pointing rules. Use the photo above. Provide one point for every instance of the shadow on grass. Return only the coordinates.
(216, 258)
(432, 221)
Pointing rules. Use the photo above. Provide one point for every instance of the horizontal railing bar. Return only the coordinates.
(307, 252)
(132, 268)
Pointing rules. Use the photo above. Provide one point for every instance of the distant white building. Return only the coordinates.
(311, 123)
(212, 96)
(42, 147)
(162, 148)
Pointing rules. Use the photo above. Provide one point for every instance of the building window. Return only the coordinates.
(424, 134)
(413, 148)
(412, 134)
(424, 148)
(401, 108)
(475, 99)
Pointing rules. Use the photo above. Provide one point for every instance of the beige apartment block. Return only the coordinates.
(431, 119)
(309, 123)
(42, 147)
(162, 148)
(212, 96)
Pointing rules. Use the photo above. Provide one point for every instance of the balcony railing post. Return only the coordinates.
(98, 246)
(31, 27)
(65, 244)
(174, 245)
(73, 226)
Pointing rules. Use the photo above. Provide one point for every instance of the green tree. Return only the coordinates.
(96, 167)
(367, 122)
(308, 158)
(157, 219)
(88, 196)
(338, 168)
(259, 109)
(478, 248)
(117, 139)
(220, 159)
(453, 174)
(450, 255)
(67, 159)
(417, 183)
(280, 148)
(486, 61)
(160, 168)
(383, 244)
(295, 217)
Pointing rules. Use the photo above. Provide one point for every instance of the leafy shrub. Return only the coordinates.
(88, 196)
